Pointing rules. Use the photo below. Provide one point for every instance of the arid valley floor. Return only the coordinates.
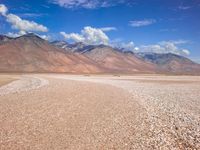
(57, 111)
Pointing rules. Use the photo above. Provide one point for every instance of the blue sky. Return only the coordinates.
(140, 25)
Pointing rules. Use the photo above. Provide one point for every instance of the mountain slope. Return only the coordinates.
(117, 61)
(30, 53)
(112, 59)
(74, 48)
(172, 63)
(4, 39)
(124, 61)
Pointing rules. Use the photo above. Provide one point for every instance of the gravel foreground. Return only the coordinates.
(100, 112)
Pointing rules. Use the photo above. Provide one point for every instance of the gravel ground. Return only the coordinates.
(25, 83)
(5, 80)
(101, 112)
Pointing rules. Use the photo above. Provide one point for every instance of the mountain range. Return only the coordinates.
(30, 53)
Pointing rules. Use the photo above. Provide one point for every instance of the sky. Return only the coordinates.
(160, 26)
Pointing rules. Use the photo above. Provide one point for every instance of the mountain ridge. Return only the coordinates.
(31, 53)
(171, 62)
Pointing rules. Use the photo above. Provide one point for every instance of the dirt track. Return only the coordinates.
(77, 112)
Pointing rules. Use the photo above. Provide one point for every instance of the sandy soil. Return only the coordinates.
(100, 112)
(5, 79)
(25, 83)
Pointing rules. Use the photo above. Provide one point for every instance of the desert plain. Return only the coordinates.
(58, 111)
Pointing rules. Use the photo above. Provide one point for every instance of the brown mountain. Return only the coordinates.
(4, 39)
(172, 63)
(122, 61)
(30, 53)
(113, 60)
(118, 61)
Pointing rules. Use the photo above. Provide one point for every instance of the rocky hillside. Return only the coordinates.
(172, 63)
(30, 53)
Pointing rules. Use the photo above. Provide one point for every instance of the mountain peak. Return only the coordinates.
(171, 62)
(4, 38)
(31, 35)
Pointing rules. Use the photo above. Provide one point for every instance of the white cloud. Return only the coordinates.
(14, 35)
(88, 4)
(95, 36)
(161, 47)
(73, 36)
(45, 37)
(24, 25)
(140, 23)
(33, 15)
(166, 47)
(176, 42)
(105, 29)
(152, 48)
(168, 30)
(22, 32)
(184, 7)
(21, 24)
(88, 35)
(129, 46)
(136, 49)
(187, 52)
(3, 9)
